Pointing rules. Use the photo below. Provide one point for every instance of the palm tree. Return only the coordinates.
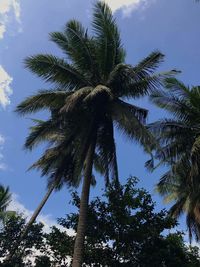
(5, 198)
(179, 137)
(55, 163)
(91, 82)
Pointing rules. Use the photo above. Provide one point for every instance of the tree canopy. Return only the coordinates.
(123, 230)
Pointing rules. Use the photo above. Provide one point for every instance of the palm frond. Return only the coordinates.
(5, 198)
(74, 41)
(110, 51)
(44, 99)
(137, 112)
(43, 131)
(149, 64)
(61, 40)
(177, 87)
(179, 207)
(194, 97)
(127, 120)
(107, 151)
(56, 70)
(193, 227)
(172, 103)
(127, 81)
(170, 128)
(195, 157)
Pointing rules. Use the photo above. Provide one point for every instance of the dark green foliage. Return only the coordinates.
(124, 230)
(42, 261)
(60, 245)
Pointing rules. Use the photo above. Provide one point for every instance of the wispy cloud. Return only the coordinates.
(9, 11)
(2, 164)
(5, 89)
(46, 219)
(2, 30)
(127, 6)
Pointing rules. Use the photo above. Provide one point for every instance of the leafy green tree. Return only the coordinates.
(9, 235)
(124, 230)
(91, 83)
(60, 245)
(179, 137)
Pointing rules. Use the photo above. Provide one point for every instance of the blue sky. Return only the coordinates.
(171, 26)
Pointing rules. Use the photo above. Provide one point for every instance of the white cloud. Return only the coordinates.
(127, 6)
(4, 6)
(46, 219)
(9, 10)
(5, 89)
(118, 4)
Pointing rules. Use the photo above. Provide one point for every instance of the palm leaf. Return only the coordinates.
(110, 51)
(74, 41)
(127, 81)
(44, 99)
(56, 70)
(5, 198)
(128, 122)
(43, 131)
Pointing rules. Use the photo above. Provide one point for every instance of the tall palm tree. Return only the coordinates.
(91, 83)
(179, 137)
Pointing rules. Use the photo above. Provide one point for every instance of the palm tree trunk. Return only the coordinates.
(37, 211)
(31, 221)
(82, 222)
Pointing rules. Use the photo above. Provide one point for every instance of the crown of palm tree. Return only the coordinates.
(179, 138)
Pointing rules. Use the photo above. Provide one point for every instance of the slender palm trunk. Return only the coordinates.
(37, 211)
(31, 221)
(82, 222)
